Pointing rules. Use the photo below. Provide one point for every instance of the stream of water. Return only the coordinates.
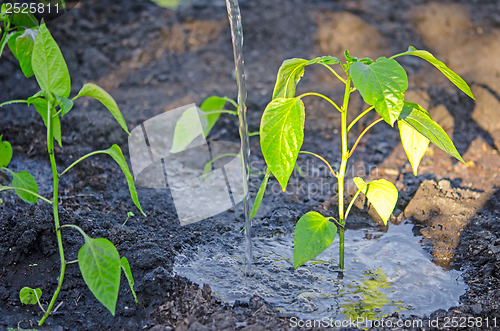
(234, 14)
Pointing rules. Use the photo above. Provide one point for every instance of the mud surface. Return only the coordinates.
(153, 59)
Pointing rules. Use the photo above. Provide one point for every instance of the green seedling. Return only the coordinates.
(40, 56)
(382, 84)
(129, 215)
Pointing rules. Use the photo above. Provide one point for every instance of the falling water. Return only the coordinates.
(233, 11)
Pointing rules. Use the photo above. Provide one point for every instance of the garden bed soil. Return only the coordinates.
(153, 59)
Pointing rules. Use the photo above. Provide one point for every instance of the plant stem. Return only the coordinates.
(218, 157)
(360, 116)
(321, 96)
(80, 160)
(12, 101)
(5, 188)
(343, 166)
(55, 178)
(231, 101)
(334, 72)
(5, 34)
(223, 111)
(352, 202)
(362, 134)
(322, 159)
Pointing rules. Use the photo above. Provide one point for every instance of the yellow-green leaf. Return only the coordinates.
(282, 135)
(381, 193)
(414, 144)
(419, 119)
(292, 70)
(289, 75)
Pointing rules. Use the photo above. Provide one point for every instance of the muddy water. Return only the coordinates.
(385, 272)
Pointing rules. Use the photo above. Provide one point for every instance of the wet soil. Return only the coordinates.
(153, 59)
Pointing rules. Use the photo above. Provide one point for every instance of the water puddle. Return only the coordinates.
(385, 272)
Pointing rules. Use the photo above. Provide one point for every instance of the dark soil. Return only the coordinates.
(153, 59)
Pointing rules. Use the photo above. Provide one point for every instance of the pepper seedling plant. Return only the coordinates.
(382, 84)
(39, 55)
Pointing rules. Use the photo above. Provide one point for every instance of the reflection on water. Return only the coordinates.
(170, 4)
(389, 273)
(371, 298)
(175, 4)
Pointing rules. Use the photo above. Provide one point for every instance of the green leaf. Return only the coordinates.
(48, 64)
(313, 234)
(281, 136)
(350, 59)
(25, 181)
(24, 51)
(98, 93)
(366, 60)
(28, 296)
(41, 106)
(35, 96)
(99, 264)
(208, 121)
(11, 42)
(414, 144)
(381, 84)
(128, 273)
(22, 20)
(4, 42)
(328, 60)
(3, 10)
(419, 119)
(452, 76)
(65, 104)
(381, 193)
(289, 75)
(116, 153)
(5, 153)
(260, 194)
(292, 70)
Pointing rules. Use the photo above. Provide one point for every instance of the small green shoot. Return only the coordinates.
(129, 215)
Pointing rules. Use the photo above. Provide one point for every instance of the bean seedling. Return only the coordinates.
(382, 84)
(39, 55)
